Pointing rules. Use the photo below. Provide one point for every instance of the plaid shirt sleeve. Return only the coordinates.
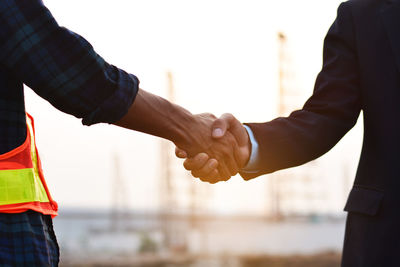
(61, 66)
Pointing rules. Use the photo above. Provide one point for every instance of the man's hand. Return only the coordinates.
(154, 115)
(224, 149)
(203, 165)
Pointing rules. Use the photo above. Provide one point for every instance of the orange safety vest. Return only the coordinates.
(22, 184)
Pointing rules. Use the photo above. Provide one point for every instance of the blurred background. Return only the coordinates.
(125, 200)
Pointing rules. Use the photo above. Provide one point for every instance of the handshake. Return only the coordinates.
(217, 148)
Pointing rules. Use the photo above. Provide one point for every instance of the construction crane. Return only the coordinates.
(274, 185)
(175, 186)
(289, 188)
(167, 191)
(119, 196)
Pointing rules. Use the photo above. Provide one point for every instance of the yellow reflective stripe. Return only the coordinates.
(21, 186)
(33, 150)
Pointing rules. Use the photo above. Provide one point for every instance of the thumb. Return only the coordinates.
(228, 122)
(219, 127)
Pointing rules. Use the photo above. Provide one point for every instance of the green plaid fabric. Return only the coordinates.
(60, 66)
(27, 239)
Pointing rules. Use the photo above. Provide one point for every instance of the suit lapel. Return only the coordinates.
(391, 18)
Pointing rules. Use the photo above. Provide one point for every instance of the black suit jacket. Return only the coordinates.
(360, 72)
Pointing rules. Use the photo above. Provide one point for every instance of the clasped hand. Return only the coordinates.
(219, 148)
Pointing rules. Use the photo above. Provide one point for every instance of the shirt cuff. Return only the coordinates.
(251, 166)
(118, 104)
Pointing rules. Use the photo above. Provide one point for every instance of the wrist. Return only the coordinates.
(179, 126)
(252, 163)
(248, 151)
(157, 116)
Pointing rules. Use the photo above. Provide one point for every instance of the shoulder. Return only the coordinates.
(24, 6)
(366, 4)
(363, 9)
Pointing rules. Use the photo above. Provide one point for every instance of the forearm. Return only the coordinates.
(154, 115)
(328, 114)
(157, 116)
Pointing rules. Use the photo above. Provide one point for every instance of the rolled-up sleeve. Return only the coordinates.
(61, 66)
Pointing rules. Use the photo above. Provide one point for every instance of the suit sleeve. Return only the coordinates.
(60, 65)
(327, 115)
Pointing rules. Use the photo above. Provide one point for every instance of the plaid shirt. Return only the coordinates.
(63, 68)
(60, 66)
(27, 239)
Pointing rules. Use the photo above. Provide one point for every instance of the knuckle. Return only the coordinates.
(201, 158)
(203, 179)
(215, 173)
(210, 177)
(228, 115)
(209, 115)
(195, 174)
(205, 172)
(217, 122)
(187, 165)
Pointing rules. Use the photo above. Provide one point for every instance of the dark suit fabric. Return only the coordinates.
(360, 72)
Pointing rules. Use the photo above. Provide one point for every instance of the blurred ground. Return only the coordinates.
(327, 259)
(320, 260)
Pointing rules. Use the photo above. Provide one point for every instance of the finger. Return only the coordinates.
(224, 171)
(208, 115)
(196, 163)
(211, 178)
(180, 153)
(228, 122)
(214, 177)
(232, 165)
(207, 169)
(230, 157)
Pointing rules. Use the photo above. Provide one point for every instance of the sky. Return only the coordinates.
(223, 57)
